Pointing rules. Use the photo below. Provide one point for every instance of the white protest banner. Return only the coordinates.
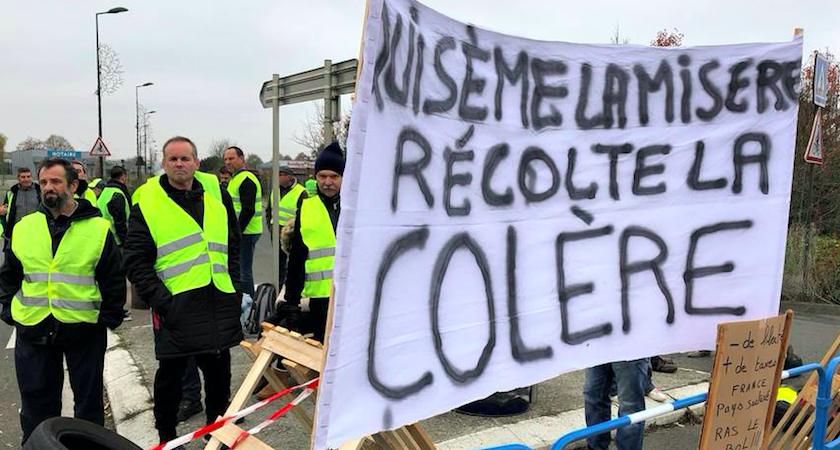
(515, 209)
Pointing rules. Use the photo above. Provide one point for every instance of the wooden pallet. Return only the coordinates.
(304, 359)
(793, 432)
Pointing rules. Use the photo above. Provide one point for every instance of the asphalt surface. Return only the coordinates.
(812, 334)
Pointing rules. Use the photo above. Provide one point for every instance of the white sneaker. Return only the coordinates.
(656, 395)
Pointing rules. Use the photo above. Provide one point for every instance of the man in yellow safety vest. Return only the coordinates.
(312, 252)
(182, 254)
(61, 284)
(290, 193)
(244, 188)
(114, 203)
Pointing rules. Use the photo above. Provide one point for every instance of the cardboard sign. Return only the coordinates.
(742, 395)
(513, 209)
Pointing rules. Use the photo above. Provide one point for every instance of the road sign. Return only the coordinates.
(814, 154)
(70, 154)
(99, 148)
(311, 85)
(820, 81)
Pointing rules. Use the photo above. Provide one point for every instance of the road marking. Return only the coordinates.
(11, 343)
(66, 395)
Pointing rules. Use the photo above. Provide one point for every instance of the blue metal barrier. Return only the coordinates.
(823, 402)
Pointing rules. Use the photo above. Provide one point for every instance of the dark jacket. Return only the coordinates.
(116, 207)
(9, 224)
(203, 320)
(298, 251)
(80, 191)
(248, 198)
(109, 275)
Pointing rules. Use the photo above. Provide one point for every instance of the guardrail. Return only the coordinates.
(820, 423)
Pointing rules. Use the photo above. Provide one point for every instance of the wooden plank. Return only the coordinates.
(802, 439)
(420, 436)
(245, 389)
(296, 350)
(407, 439)
(382, 442)
(353, 444)
(228, 434)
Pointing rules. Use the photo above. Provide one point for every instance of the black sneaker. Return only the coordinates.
(187, 410)
(660, 365)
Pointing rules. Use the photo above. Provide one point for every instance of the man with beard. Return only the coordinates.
(61, 284)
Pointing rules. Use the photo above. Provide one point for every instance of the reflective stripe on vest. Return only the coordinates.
(317, 233)
(255, 226)
(188, 257)
(288, 203)
(63, 285)
(102, 202)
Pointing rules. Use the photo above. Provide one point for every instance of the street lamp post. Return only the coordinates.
(137, 121)
(146, 140)
(116, 10)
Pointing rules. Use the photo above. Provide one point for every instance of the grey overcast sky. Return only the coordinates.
(209, 58)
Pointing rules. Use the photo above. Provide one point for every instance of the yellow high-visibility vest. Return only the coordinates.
(63, 285)
(317, 233)
(189, 257)
(255, 226)
(288, 203)
(102, 202)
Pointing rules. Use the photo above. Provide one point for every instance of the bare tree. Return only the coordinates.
(31, 143)
(110, 70)
(58, 142)
(311, 135)
(253, 161)
(3, 141)
(218, 147)
(616, 37)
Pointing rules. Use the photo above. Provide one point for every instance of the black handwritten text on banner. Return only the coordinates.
(516, 209)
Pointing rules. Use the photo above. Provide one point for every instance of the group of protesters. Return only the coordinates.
(185, 239)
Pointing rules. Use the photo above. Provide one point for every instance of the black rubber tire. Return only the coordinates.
(65, 433)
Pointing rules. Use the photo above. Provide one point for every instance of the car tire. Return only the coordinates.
(64, 433)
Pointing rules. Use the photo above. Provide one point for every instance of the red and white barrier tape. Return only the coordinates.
(273, 417)
(308, 386)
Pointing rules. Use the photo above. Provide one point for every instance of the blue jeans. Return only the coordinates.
(630, 378)
(246, 262)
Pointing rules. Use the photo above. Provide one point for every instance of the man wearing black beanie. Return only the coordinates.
(310, 269)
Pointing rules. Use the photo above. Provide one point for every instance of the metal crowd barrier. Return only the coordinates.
(820, 422)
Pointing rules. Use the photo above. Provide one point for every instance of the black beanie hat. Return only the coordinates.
(330, 158)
